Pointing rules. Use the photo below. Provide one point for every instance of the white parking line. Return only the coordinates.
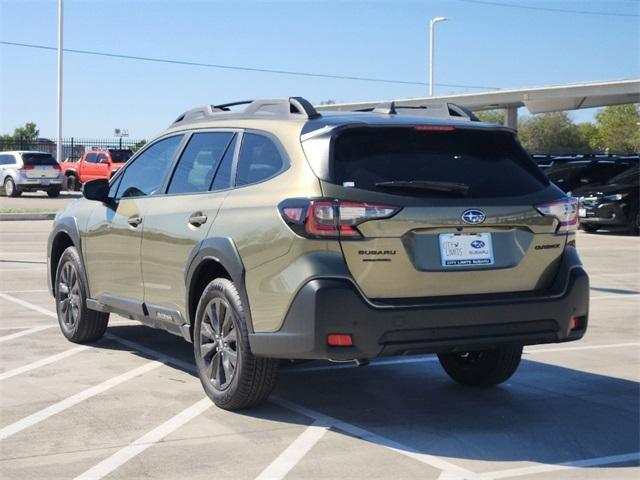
(25, 332)
(25, 291)
(45, 361)
(29, 305)
(68, 402)
(149, 439)
(618, 296)
(288, 459)
(436, 462)
(590, 462)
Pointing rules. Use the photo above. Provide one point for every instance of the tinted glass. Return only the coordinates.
(7, 160)
(222, 179)
(199, 162)
(259, 159)
(146, 174)
(38, 159)
(491, 164)
(101, 157)
(120, 156)
(630, 176)
(92, 157)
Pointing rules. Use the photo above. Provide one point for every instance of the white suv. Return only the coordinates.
(29, 171)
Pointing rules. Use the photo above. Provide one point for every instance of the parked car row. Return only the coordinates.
(31, 171)
(607, 187)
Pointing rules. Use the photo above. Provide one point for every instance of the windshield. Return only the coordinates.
(483, 163)
(34, 159)
(120, 156)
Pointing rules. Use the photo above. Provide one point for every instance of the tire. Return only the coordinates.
(589, 228)
(484, 367)
(71, 183)
(10, 189)
(77, 323)
(53, 192)
(215, 344)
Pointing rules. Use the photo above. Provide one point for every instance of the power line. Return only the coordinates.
(236, 67)
(547, 9)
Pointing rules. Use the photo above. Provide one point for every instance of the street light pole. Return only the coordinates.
(59, 126)
(431, 25)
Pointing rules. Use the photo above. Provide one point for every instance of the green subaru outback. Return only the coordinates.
(265, 230)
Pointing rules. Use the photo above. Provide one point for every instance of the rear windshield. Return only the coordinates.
(120, 156)
(490, 164)
(33, 159)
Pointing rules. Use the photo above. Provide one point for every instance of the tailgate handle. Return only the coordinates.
(197, 219)
(134, 220)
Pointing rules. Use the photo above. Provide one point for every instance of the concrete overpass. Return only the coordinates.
(537, 100)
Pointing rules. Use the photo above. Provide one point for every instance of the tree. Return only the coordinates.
(551, 133)
(23, 137)
(589, 132)
(618, 129)
(491, 116)
(138, 145)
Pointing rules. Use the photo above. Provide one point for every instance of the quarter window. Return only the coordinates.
(259, 159)
(199, 162)
(222, 179)
(147, 172)
(7, 160)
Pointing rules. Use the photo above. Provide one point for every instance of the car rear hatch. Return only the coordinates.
(459, 206)
(40, 166)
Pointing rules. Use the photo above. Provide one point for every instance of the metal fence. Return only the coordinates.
(72, 148)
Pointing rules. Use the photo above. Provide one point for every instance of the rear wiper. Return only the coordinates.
(446, 187)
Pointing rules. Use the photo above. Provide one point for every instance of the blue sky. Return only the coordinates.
(481, 45)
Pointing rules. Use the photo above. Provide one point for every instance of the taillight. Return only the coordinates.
(27, 167)
(331, 219)
(56, 166)
(565, 210)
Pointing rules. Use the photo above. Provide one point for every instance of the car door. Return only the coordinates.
(89, 167)
(102, 166)
(176, 221)
(113, 236)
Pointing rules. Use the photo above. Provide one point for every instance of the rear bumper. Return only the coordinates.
(324, 306)
(33, 184)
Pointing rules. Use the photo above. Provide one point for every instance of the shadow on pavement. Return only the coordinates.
(544, 414)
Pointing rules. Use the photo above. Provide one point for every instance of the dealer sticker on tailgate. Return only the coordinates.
(459, 249)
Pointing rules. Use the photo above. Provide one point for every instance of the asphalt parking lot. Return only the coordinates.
(130, 406)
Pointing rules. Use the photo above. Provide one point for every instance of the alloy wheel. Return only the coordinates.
(69, 295)
(218, 343)
(8, 187)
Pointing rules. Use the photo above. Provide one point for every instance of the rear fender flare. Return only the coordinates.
(223, 251)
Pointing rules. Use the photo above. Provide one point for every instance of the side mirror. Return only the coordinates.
(97, 190)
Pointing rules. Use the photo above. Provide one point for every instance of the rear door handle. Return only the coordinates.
(135, 220)
(197, 219)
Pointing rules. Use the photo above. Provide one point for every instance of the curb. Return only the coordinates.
(26, 216)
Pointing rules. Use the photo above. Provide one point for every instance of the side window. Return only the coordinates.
(259, 159)
(146, 174)
(92, 158)
(102, 157)
(7, 160)
(222, 179)
(199, 162)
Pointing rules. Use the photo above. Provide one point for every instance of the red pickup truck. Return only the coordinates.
(93, 164)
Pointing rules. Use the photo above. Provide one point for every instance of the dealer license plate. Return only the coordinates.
(461, 249)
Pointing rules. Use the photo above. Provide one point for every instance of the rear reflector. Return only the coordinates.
(576, 323)
(339, 340)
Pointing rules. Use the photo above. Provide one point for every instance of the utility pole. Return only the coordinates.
(59, 126)
(431, 25)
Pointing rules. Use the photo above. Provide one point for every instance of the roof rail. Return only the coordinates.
(272, 108)
(435, 110)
